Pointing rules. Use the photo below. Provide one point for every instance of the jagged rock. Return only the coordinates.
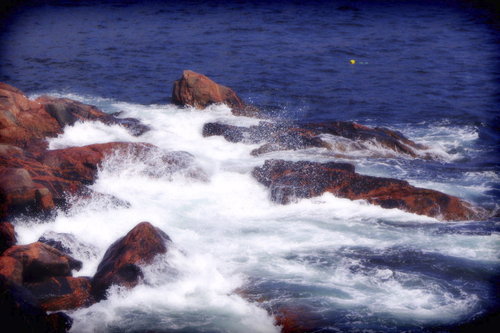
(120, 262)
(62, 293)
(7, 236)
(40, 261)
(194, 89)
(289, 180)
(67, 111)
(20, 312)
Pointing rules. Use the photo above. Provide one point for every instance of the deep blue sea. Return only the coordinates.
(429, 69)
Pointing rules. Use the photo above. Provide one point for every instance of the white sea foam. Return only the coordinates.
(225, 231)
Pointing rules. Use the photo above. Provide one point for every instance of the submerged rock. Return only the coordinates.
(68, 244)
(40, 261)
(290, 180)
(62, 293)
(21, 312)
(194, 89)
(120, 262)
(289, 136)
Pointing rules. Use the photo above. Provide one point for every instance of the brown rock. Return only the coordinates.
(120, 262)
(7, 236)
(62, 293)
(197, 90)
(40, 261)
(289, 180)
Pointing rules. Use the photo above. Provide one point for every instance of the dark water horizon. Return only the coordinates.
(429, 69)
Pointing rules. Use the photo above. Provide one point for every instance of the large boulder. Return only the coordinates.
(120, 264)
(20, 312)
(197, 90)
(62, 292)
(291, 180)
(40, 261)
(7, 236)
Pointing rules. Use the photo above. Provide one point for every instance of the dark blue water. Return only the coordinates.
(419, 66)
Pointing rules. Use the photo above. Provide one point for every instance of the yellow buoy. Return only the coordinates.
(352, 61)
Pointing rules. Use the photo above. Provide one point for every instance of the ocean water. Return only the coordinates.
(428, 69)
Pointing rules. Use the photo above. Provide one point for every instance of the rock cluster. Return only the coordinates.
(38, 277)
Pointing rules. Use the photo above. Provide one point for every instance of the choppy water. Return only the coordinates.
(427, 69)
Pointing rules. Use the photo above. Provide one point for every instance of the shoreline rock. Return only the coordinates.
(120, 262)
(197, 90)
(288, 181)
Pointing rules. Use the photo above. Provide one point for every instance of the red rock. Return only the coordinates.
(40, 261)
(120, 262)
(289, 180)
(62, 293)
(81, 163)
(194, 89)
(11, 269)
(7, 236)
(23, 122)
(297, 320)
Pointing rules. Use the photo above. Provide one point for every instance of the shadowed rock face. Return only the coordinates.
(290, 180)
(20, 312)
(120, 263)
(7, 236)
(276, 137)
(62, 292)
(194, 89)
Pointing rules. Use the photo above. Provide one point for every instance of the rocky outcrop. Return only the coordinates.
(40, 261)
(21, 312)
(290, 180)
(120, 264)
(197, 90)
(62, 292)
(7, 236)
(24, 122)
(67, 112)
(289, 136)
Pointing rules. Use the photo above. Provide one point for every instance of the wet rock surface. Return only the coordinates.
(120, 264)
(288, 181)
(62, 292)
(197, 90)
(7, 236)
(290, 136)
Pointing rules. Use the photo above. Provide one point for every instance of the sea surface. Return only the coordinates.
(429, 69)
